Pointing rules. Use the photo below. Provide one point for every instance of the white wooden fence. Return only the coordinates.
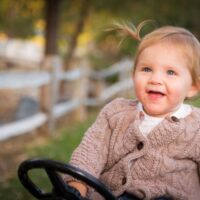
(19, 80)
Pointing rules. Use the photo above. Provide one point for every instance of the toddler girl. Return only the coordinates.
(150, 147)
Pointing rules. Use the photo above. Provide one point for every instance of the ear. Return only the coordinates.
(193, 91)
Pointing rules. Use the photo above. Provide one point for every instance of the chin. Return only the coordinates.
(154, 113)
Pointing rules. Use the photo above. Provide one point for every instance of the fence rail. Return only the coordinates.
(18, 80)
(80, 78)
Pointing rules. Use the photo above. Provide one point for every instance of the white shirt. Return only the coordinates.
(150, 122)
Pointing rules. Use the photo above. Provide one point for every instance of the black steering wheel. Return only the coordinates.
(61, 190)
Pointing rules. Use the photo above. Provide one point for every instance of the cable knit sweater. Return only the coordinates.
(164, 163)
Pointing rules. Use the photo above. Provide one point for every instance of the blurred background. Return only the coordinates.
(59, 66)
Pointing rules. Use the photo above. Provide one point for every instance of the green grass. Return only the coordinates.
(195, 101)
(60, 149)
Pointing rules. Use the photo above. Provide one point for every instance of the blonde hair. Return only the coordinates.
(172, 35)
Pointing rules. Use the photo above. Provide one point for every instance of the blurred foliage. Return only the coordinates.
(179, 13)
(23, 13)
(18, 19)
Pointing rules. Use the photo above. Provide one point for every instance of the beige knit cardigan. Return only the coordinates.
(163, 163)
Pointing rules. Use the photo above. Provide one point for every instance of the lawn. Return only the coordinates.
(60, 149)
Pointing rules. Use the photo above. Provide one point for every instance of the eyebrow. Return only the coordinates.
(144, 63)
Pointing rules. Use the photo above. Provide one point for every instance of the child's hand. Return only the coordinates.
(80, 187)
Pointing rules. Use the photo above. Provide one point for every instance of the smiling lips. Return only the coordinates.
(155, 95)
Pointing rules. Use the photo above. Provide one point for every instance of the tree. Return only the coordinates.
(84, 11)
(52, 22)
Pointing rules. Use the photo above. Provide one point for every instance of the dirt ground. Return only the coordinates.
(13, 151)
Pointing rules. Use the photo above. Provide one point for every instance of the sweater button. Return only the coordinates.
(124, 181)
(140, 145)
(175, 119)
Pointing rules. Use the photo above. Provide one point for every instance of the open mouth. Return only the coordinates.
(154, 95)
(156, 92)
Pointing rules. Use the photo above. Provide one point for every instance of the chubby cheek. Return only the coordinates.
(176, 93)
(139, 88)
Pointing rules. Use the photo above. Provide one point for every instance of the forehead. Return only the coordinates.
(164, 52)
(181, 43)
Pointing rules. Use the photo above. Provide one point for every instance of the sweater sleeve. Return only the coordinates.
(91, 154)
(193, 149)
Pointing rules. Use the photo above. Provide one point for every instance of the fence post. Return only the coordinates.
(124, 75)
(99, 86)
(56, 70)
(49, 93)
(80, 91)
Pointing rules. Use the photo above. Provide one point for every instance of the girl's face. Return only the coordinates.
(162, 79)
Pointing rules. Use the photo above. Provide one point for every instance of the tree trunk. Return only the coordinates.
(84, 10)
(52, 20)
(48, 64)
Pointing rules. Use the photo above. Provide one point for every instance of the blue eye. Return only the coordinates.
(146, 69)
(171, 72)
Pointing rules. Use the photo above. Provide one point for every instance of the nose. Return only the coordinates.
(155, 78)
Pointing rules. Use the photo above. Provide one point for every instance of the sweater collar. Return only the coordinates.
(183, 111)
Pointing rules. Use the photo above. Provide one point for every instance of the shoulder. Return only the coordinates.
(195, 109)
(192, 122)
(195, 114)
(120, 105)
(192, 133)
